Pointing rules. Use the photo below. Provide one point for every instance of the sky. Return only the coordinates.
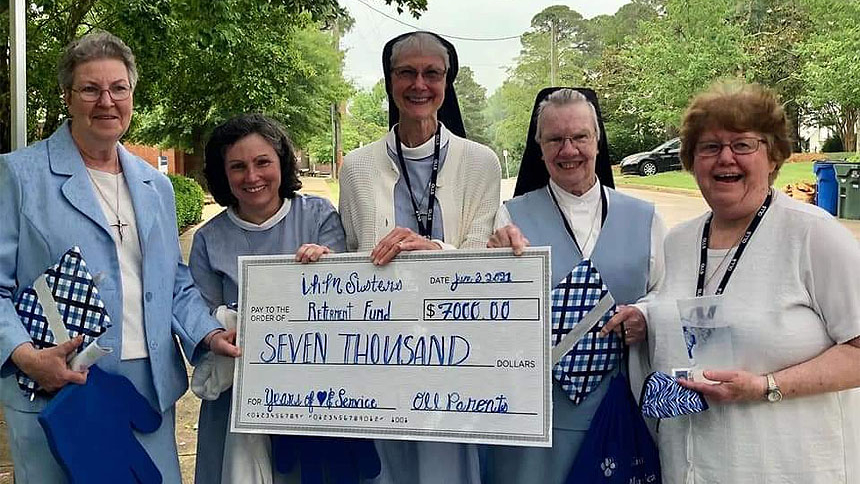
(462, 18)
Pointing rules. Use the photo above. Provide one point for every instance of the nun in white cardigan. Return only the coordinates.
(424, 186)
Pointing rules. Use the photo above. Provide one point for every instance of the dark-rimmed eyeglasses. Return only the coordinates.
(117, 92)
(740, 146)
(431, 75)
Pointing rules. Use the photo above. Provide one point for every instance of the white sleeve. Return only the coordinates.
(830, 270)
(503, 217)
(656, 264)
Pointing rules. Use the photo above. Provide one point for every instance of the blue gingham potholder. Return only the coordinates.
(78, 303)
(582, 368)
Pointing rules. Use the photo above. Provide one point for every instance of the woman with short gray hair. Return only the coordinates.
(82, 188)
(424, 186)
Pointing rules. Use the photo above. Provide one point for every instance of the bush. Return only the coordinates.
(189, 201)
(625, 140)
(832, 144)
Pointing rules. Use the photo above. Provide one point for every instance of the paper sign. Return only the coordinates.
(437, 345)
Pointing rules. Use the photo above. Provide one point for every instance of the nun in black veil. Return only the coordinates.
(423, 186)
(565, 199)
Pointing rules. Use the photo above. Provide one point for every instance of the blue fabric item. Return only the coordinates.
(107, 406)
(618, 447)
(663, 397)
(324, 459)
(78, 303)
(580, 370)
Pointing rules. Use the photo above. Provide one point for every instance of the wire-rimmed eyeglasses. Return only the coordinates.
(117, 92)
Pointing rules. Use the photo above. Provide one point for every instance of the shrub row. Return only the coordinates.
(189, 201)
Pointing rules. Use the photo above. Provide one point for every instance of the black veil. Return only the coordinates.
(533, 173)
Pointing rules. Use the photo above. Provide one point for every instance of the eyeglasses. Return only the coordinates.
(577, 140)
(740, 146)
(409, 74)
(117, 92)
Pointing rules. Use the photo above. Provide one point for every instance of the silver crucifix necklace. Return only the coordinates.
(119, 225)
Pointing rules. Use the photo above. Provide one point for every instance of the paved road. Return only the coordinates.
(673, 207)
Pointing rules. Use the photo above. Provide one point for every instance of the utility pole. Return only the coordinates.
(553, 55)
(18, 73)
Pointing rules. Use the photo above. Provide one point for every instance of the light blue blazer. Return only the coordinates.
(47, 205)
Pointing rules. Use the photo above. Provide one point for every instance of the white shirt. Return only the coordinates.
(112, 193)
(267, 224)
(791, 297)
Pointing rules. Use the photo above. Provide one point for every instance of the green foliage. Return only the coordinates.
(233, 57)
(189, 201)
(832, 144)
(200, 62)
(364, 122)
(472, 98)
(832, 65)
(625, 139)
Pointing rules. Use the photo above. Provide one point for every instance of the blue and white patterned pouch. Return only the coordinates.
(663, 397)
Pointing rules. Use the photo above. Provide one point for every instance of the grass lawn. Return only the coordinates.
(789, 173)
(334, 188)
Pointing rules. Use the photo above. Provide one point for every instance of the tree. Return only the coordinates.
(773, 29)
(675, 56)
(200, 60)
(366, 121)
(831, 66)
(472, 98)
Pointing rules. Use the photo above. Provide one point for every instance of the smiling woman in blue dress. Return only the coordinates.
(80, 187)
(251, 169)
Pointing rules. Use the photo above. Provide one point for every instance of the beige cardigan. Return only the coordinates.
(467, 190)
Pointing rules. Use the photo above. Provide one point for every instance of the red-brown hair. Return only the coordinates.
(737, 106)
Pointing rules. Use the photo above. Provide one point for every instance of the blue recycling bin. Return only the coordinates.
(827, 194)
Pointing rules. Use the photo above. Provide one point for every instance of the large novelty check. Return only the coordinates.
(441, 346)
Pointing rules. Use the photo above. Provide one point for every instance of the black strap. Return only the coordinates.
(603, 205)
(423, 230)
(733, 263)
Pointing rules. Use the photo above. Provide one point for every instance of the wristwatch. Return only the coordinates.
(773, 394)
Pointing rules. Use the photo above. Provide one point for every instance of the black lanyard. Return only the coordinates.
(567, 224)
(423, 230)
(733, 263)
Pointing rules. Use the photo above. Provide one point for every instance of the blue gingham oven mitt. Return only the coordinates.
(67, 294)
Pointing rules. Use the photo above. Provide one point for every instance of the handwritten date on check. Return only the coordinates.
(448, 346)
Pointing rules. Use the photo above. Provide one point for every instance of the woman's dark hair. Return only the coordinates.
(227, 134)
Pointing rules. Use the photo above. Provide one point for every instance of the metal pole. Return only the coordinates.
(507, 171)
(18, 72)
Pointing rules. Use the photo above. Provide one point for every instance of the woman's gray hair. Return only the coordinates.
(564, 97)
(94, 46)
(421, 43)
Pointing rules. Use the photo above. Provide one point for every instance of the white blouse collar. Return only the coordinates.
(271, 222)
(567, 199)
(421, 151)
